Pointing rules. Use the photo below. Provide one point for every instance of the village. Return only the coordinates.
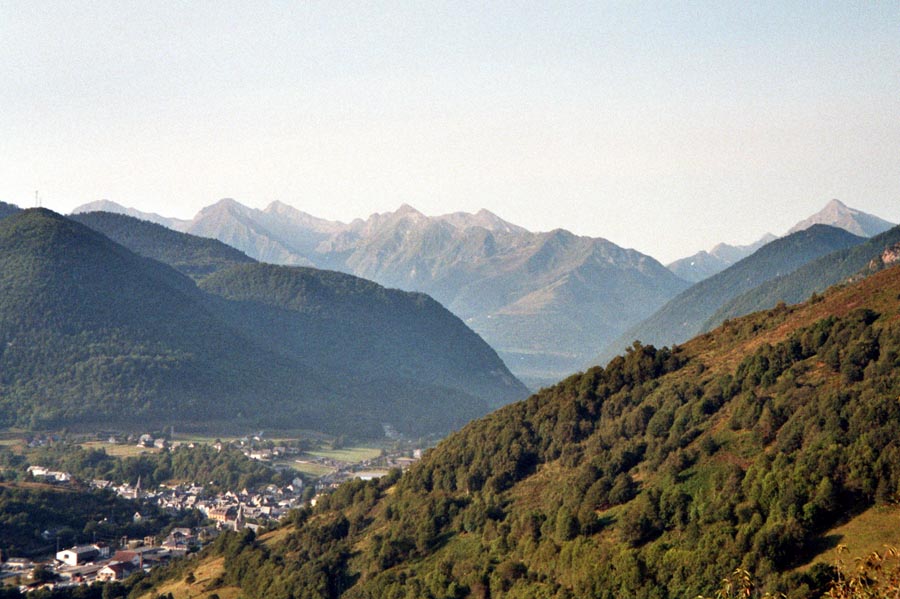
(229, 510)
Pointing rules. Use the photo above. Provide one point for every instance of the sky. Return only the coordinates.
(662, 126)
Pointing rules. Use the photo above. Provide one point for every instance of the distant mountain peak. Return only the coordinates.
(105, 205)
(703, 264)
(279, 206)
(407, 210)
(483, 218)
(838, 214)
(227, 203)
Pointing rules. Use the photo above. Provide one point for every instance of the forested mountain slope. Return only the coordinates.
(194, 256)
(92, 334)
(655, 476)
(547, 302)
(339, 322)
(89, 330)
(686, 315)
(331, 321)
(815, 277)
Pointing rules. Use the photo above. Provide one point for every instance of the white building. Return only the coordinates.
(78, 555)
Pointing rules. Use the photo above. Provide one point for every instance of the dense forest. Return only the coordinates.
(94, 335)
(36, 518)
(8, 209)
(655, 476)
(194, 256)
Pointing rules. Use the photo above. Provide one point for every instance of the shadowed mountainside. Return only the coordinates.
(93, 333)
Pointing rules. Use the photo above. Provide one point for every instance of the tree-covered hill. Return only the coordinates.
(194, 256)
(687, 313)
(655, 476)
(92, 334)
(342, 322)
(328, 320)
(811, 278)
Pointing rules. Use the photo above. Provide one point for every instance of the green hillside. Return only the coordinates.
(655, 476)
(334, 322)
(90, 332)
(686, 315)
(194, 256)
(93, 335)
(811, 278)
(342, 322)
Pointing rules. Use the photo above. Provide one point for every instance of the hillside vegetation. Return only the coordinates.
(7, 209)
(194, 256)
(330, 321)
(655, 476)
(93, 335)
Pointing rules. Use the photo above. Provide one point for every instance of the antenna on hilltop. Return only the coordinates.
(37, 199)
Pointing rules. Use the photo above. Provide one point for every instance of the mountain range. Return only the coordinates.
(686, 315)
(547, 302)
(703, 265)
(93, 334)
(815, 276)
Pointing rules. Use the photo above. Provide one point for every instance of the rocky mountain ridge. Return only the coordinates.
(545, 301)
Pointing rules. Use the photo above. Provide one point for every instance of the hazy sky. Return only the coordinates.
(666, 126)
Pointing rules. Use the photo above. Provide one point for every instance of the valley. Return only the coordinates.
(449, 300)
(612, 472)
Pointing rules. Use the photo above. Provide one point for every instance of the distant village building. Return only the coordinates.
(115, 571)
(261, 454)
(78, 555)
(19, 563)
(49, 475)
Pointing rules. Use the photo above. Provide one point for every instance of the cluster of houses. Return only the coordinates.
(256, 508)
(98, 562)
(229, 510)
(84, 564)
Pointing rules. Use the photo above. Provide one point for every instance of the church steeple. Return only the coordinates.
(239, 519)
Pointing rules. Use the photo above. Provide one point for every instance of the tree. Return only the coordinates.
(42, 574)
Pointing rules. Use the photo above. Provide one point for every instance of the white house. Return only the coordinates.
(78, 555)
